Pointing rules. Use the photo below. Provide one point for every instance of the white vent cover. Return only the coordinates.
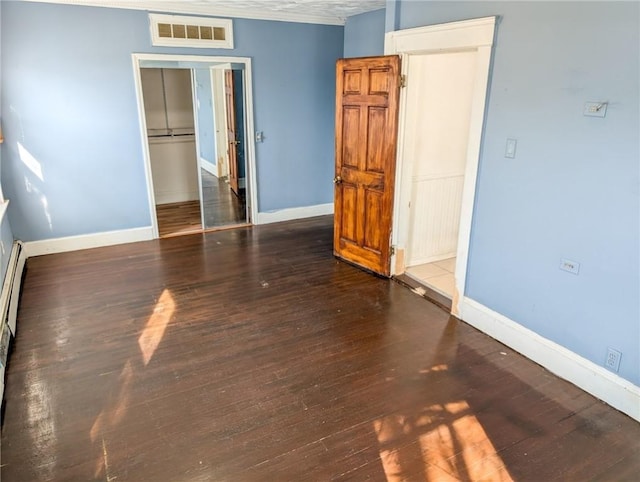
(199, 32)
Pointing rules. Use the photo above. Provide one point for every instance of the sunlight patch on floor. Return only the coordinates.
(156, 326)
(453, 445)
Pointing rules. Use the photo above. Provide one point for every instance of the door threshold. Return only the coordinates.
(183, 232)
(425, 291)
(187, 232)
(226, 227)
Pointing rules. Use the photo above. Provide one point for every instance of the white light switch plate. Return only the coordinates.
(510, 148)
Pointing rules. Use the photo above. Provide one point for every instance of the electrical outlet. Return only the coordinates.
(569, 266)
(612, 362)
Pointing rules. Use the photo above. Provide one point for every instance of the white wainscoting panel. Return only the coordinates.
(435, 209)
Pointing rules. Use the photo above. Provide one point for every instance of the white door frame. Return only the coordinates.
(250, 153)
(196, 113)
(469, 35)
(220, 117)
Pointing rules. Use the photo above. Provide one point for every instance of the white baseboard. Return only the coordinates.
(294, 213)
(594, 379)
(208, 166)
(86, 241)
(432, 259)
(168, 197)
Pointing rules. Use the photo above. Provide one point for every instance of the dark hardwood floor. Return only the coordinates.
(254, 355)
(179, 218)
(221, 208)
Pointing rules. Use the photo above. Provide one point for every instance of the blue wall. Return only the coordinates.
(68, 98)
(5, 227)
(7, 240)
(573, 189)
(364, 34)
(206, 128)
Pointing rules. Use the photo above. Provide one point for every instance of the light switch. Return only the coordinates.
(510, 148)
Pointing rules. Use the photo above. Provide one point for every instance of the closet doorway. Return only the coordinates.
(194, 127)
(441, 117)
(438, 113)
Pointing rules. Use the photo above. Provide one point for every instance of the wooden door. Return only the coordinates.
(367, 94)
(229, 98)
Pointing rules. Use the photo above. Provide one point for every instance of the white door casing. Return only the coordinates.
(196, 114)
(250, 156)
(469, 35)
(220, 119)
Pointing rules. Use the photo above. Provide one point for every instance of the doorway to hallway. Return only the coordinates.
(192, 190)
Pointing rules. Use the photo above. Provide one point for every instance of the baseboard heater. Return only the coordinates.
(11, 286)
(9, 298)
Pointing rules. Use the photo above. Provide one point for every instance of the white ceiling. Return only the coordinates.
(329, 8)
(332, 12)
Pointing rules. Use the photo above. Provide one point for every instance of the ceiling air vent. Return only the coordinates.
(199, 32)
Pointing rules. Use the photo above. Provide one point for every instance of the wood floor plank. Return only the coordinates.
(179, 218)
(253, 354)
(221, 206)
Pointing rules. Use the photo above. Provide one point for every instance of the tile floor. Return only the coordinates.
(437, 275)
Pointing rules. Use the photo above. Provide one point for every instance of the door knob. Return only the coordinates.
(337, 180)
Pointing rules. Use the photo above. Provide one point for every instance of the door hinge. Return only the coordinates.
(392, 250)
(403, 81)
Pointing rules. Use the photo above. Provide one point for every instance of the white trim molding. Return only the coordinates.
(463, 35)
(86, 241)
(209, 166)
(294, 213)
(594, 379)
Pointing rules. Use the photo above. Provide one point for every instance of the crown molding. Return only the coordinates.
(172, 6)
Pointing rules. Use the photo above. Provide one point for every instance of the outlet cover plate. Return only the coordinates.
(569, 266)
(612, 362)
